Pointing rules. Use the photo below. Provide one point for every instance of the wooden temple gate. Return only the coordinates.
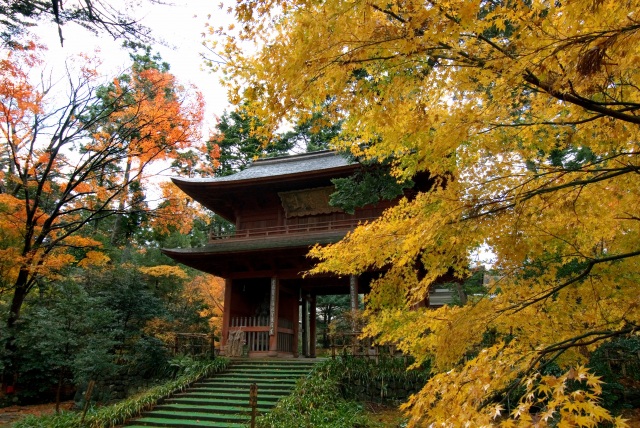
(280, 209)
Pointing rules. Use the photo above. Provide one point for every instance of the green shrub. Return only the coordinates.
(362, 378)
(327, 397)
(316, 402)
(118, 413)
(618, 364)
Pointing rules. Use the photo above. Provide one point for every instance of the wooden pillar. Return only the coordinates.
(226, 312)
(312, 326)
(353, 293)
(296, 326)
(274, 302)
(305, 330)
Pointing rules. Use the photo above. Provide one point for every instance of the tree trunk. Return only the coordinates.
(58, 391)
(118, 226)
(20, 292)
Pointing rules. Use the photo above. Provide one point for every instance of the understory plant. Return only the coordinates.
(375, 378)
(118, 413)
(316, 402)
(327, 398)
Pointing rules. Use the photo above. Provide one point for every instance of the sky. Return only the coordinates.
(180, 25)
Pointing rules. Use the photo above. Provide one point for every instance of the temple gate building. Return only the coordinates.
(280, 209)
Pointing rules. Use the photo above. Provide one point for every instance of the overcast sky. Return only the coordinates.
(180, 25)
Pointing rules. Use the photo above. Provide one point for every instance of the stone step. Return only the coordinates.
(184, 423)
(211, 399)
(264, 395)
(227, 410)
(243, 389)
(198, 415)
(223, 400)
(220, 406)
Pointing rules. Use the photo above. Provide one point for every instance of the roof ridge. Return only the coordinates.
(295, 157)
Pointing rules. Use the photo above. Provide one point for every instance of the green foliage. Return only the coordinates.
(327, 309)
(618, 363)
(371, 374)
(312, 134)
(369, 185)
(327, 397)
(67, 333)
(316, 402)
(239, 142)
(472, 286)
(110, 416)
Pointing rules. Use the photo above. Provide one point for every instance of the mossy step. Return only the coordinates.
(252, 379)
(279, 361)
(162, 422)
(265, 372)
(266, 395)
(242, 389)
(200, 416)
(270, 367)
(222, 401)
(225, 406)
(247, 380)
(241, 394)
(288, 373)
(139, 426)
(264, 383)
(182, 407)
(257, 377)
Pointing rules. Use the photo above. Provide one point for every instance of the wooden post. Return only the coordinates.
(305, 331)
(312, 326)
(353, 292)
(253, 402)
(273, 317)
(87, 399)
(296, 326)
(226, 312)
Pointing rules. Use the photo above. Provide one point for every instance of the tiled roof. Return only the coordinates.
(280, 241)
(285, 165)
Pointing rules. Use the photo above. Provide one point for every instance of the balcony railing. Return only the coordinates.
(256, 331)
(289, 229)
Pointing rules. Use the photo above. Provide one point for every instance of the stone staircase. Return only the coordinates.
(223, 400)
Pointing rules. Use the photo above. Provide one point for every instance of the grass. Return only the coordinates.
(118, 413)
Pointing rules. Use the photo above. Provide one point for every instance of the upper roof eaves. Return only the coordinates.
(285, 165)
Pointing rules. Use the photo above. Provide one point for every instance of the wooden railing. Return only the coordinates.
(194, 344)
(287, 229)
(351, 344)
(257, 333)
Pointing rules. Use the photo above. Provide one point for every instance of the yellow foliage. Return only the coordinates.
(164, 270)
(211, 289)
(526, 115)
(94, 258)
(81, 241)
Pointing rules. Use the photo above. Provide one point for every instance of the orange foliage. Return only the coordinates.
(177, 212)
(211, 289)
(61, 163)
